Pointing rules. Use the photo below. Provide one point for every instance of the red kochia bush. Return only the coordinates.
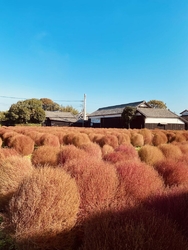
(92, 149)
(70, 152)
(138, 180)
(121, 153)
(46, 155)
(44, 210)
(172, 203)
(135, 229)
(97, 182)
(173, 172)
(23, 144)
(150, 154)
(13, 170)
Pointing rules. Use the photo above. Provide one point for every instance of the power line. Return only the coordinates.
(23, 98)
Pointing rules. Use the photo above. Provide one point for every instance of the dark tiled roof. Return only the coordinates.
(157, 113)
(114, 110)
(60, 116)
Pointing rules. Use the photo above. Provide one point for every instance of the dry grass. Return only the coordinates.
(44, 210)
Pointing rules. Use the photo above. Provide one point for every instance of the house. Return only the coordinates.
(145, 117)
(58, 118)
(184, 117)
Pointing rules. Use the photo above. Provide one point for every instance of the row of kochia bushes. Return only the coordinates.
(94, 189)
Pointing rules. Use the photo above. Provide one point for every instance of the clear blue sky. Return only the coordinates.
(114, 51)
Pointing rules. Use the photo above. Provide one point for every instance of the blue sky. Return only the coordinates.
(114, 51)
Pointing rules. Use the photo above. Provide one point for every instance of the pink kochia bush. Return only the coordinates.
(137, 228)
(13, 170)
(44, 210)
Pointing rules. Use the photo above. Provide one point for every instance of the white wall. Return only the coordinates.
(164, 120)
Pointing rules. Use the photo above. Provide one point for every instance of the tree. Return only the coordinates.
(49, 105)
(128, 115)
(28, 111)
(157, 104)
(69, 109)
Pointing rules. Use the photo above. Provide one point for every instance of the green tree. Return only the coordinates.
(157, 104)
(69, 109)
(28, 111)
(128, 115)
(49, 105)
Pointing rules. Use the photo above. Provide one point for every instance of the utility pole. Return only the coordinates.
(84, 106)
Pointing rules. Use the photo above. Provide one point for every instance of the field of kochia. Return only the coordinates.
(66, 188)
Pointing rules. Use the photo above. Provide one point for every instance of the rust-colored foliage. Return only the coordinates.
(46, 155)
(173, 172)
(138, 179)
(70, 152)
(1, 142)
(6, 152)
(133, 229)
(13, 170)
(44, 210)
(150, 154)
(79, 139)
(49, 139)
(23, 144)
(121, 153)
(106, 149)
(7, 137)
(92, 149)
(137, 140)
(170, 151)
(97, 182)
(123, 138)
(159, 138)
(108, 139)
(172, 203)
(147, 134)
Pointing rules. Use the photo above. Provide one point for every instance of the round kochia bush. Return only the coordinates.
(13, 170)
(44, 210)
(137, 228)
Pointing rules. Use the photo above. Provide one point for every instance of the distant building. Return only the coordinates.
(145, 117)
